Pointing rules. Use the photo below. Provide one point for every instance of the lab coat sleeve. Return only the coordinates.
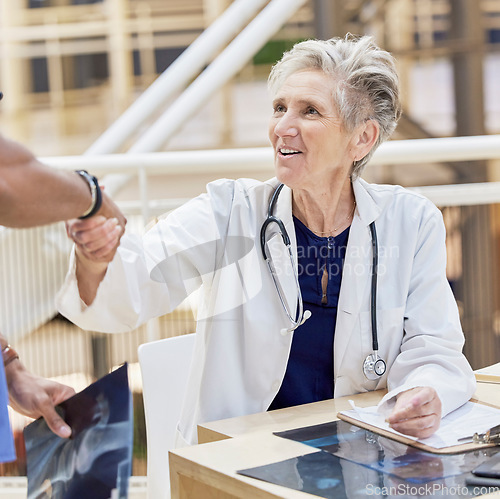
(431, 350)
(151, 276)
(126, 297)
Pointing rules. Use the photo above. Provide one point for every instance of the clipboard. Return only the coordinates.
(453, 449)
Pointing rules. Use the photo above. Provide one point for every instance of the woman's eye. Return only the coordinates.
(279, 108)
(311, 110)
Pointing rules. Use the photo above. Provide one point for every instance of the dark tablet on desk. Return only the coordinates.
(490, 468)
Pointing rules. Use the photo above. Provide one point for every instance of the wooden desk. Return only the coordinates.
(209, 470)
(284, 419)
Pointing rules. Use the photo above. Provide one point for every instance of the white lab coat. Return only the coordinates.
(240, 356)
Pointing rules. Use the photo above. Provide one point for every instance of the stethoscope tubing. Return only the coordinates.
(373, 298)
(272, 219)
(373, 358)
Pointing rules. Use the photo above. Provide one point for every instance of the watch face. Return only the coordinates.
(380, 367)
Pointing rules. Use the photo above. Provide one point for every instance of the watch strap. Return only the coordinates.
(95, 192)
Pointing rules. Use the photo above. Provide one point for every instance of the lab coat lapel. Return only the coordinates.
(356, 276)
(278, 251)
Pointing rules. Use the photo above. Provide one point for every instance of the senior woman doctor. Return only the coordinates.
(334, 102)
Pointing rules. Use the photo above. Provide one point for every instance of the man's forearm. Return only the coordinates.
(32, 193)
(35, 194)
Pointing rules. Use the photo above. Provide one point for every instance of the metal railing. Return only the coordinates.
(232, 162)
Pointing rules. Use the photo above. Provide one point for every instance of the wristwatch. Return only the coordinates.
(95, 192)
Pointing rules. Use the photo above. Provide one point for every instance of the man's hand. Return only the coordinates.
(110, 210)
(34, 396)
(417, 412)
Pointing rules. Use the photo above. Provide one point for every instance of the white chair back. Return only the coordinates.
(165, 368)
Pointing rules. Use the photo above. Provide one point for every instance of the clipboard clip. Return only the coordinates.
(491, 436)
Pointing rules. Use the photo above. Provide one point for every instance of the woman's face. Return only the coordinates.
(310, 144)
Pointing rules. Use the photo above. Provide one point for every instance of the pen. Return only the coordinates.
(464, 439)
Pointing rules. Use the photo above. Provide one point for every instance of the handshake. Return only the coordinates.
(97, 236)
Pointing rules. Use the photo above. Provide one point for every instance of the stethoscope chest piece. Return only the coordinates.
(374, 367)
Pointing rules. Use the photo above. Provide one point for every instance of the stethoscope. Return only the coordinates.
(373, 366)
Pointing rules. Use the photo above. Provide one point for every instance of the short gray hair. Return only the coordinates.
(366, 81)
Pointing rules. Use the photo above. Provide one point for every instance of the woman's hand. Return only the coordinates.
(417, 412)
(96, 239)
(109, 209)
(34, 396)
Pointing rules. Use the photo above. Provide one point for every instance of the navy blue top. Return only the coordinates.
(309, 373)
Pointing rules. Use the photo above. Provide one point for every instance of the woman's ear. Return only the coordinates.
(366, 136)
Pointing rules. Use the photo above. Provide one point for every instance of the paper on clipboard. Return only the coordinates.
(463, 422)
(372, 416)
